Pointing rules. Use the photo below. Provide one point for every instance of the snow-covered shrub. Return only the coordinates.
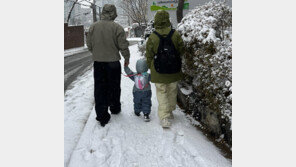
(142, 47)
(149, 29)
(207, 62)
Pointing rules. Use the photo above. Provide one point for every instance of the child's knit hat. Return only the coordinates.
(141, 66)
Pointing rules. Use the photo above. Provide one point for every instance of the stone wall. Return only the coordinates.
(73, 36)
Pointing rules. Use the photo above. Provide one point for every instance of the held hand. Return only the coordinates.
(126, 63)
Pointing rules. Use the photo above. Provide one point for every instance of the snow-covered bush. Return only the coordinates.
(142, 47)
(207, 62)
(149, 30)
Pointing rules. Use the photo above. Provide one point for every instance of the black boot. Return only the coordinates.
(137, 114)
(104, 120)
(146, 118)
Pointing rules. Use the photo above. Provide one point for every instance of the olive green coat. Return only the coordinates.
(162, 25)
(106, 38)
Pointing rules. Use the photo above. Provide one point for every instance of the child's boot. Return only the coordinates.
(137, 113)
(146, 118)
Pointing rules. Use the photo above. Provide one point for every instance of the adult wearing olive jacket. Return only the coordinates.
(166, 84)
(104, 40)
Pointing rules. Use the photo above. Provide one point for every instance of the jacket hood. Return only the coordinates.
(109, 12)
(162, 19)
(141, 66)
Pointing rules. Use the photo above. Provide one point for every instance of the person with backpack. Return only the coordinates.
(142, 88)
(104, 40)
(164, 49)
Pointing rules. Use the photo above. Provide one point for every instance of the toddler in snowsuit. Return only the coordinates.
(142, 88)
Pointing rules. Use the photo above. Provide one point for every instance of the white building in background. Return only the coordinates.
(171, 5)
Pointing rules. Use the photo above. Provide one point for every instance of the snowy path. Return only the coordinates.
(78, 104)
(129, 141)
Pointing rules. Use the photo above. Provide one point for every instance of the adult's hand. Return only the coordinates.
(126, 63)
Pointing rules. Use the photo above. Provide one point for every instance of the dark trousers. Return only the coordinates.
(107, 77)
(142, 101)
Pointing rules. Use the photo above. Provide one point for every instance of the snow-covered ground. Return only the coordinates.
(72, 51)
(78, 104)
(128, 141)
(135, 39)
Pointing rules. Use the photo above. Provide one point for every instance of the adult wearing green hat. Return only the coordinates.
(165, 80)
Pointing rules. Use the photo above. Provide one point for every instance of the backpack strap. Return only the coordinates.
(170, 34)
(159, 36)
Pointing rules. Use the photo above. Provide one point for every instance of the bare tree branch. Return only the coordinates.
(69, 15)
(136, 10)
(91, 5)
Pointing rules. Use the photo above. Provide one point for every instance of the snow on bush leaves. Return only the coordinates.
(207, 62)
(148, 31)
